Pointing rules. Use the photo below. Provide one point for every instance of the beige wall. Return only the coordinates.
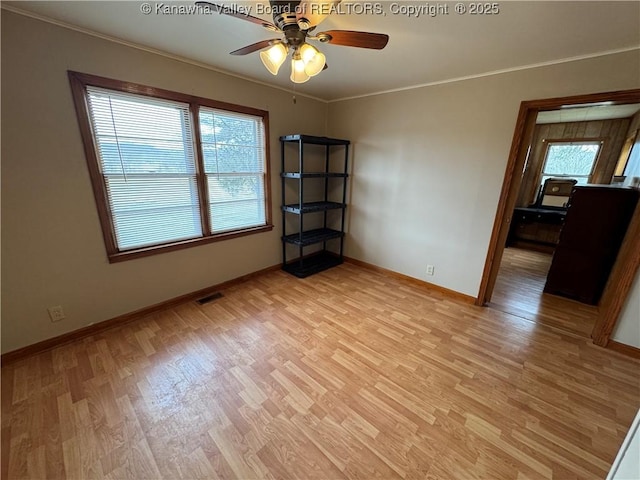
(628, 328)
(52, 248)
(429, 163)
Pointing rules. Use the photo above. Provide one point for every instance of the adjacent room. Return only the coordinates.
(320, 239)
(587, 145)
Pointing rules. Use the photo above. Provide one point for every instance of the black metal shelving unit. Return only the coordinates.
(305, 265)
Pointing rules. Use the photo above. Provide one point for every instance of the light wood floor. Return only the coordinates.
(518, 291)
(346, 374)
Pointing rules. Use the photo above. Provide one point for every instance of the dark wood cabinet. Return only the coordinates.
(537, 228)
(594, 227)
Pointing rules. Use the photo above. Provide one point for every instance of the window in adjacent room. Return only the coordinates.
(625, 155)
(170, 170)
(570, 159)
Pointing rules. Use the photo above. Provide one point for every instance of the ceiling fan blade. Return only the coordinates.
(233, 11)
(377, 41)
(315, 11)
(254, 47)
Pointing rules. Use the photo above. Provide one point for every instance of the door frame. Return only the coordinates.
(628, 261)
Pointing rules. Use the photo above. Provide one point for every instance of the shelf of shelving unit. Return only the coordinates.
(310, 237)
(305, 265)
(311, 207)
(313, 175)
(312, 264)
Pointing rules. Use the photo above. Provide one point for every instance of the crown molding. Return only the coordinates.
(493, 72)
(207, 66)
(162, 53)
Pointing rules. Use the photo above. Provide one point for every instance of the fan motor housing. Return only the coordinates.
(284, 13)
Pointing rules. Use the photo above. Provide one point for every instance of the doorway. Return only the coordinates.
(529, 301)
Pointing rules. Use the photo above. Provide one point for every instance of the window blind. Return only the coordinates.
(146, 156)
(234, 163)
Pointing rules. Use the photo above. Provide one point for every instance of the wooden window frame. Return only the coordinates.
(79, 82)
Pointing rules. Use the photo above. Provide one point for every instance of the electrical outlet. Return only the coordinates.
(429, 269)
(56, 313)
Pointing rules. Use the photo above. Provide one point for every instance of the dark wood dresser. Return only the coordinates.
(594, 227)
(535, 228)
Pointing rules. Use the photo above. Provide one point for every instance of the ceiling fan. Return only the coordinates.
(296, 20)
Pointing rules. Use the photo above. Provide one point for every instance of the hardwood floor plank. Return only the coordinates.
(236, 452)
(519, 291)
(346, 374)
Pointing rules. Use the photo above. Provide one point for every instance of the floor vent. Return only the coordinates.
(209, 298)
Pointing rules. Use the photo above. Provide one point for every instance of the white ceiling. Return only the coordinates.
(421, 50)
(588, 113)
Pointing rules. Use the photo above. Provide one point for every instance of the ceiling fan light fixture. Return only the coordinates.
(274, 57)
(314, 60)
(298, 74)
(295, 25)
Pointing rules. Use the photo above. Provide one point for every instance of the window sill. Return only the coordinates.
(156, 249)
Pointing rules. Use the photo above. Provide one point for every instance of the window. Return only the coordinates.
(625, 154)
(570, 159)
(233, 153)
(170, 170)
